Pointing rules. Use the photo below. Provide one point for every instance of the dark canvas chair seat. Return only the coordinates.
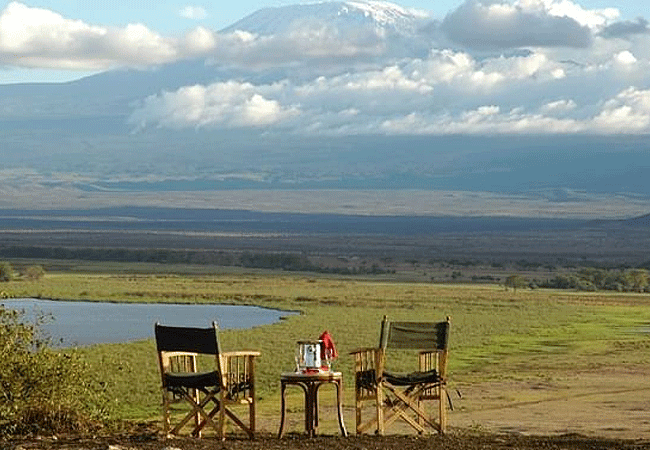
(402, 395)
(212, 394)
(408, 379)
(199, 380)
(367, 378)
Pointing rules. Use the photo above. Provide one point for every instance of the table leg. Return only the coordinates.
(316, 386)
(283, 388)
(309, 409)
(339, 407)
(310, 389)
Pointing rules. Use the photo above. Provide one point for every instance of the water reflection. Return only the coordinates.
(86, 323)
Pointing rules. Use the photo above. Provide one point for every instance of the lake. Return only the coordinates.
(87, 323)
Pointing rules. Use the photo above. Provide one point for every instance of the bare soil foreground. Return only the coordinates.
(612, 403)
(451, 441)
(591, 410)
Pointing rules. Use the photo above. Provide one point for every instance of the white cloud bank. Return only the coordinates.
(229, 104)
(446, 93)
(490, 67)
(526, 23)
(33, 37)
(626, 113)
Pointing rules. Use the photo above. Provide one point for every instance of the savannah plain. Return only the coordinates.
(529, 368)
(524, 365)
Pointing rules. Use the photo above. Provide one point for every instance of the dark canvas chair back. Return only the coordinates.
(182, 339)
(414, 335)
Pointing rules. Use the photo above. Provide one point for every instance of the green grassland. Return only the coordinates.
(496, 334)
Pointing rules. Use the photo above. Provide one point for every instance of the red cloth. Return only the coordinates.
(327, 348)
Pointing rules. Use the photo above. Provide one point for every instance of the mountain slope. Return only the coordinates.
(640, 222)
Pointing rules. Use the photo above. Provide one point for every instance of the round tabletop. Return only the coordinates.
(311, 376)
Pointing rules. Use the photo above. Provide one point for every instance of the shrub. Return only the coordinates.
(514, 282)
(43, 390)
(6, 271)
(35, 272)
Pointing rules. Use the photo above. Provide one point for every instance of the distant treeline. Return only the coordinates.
(283, 261)
(593, 279)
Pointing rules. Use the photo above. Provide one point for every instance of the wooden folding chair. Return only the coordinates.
(209, 394)
(403, 395)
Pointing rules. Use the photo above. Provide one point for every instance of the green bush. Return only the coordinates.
(43, 390)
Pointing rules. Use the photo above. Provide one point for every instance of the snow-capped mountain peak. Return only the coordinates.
(385, 13)
(343, 14)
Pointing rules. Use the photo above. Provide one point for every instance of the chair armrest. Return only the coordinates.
(240, 353)
(176, 354)
(237, 373)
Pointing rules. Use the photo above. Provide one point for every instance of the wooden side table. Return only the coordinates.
(310, 382)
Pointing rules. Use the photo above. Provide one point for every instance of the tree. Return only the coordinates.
(6, 272)
(514, 282)
(638, 279)
(35, 272)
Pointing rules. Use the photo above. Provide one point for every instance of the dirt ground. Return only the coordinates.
(591, 410)
(608, 403)
(455, 441)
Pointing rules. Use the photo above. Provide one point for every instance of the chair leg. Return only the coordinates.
(166, 412)
(421, 412)
(442, 408)
(381, 429)
(197, 417)
(222, 417)
(409, 406)
(251, 416)
(239, 423)
(358, 404)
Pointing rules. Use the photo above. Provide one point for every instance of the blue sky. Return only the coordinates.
(163, 15)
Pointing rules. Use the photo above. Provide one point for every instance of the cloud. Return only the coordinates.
(628, 112)
(306, 43)
(524, 23)
(428, 97)
(625, 58)
(484, 120)
(230, 104)
(200, 41)
(33, 37)
(626, 29)
(592, 18)
(193, 12)
(41, 38)
(559, 106)
(324, 103)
